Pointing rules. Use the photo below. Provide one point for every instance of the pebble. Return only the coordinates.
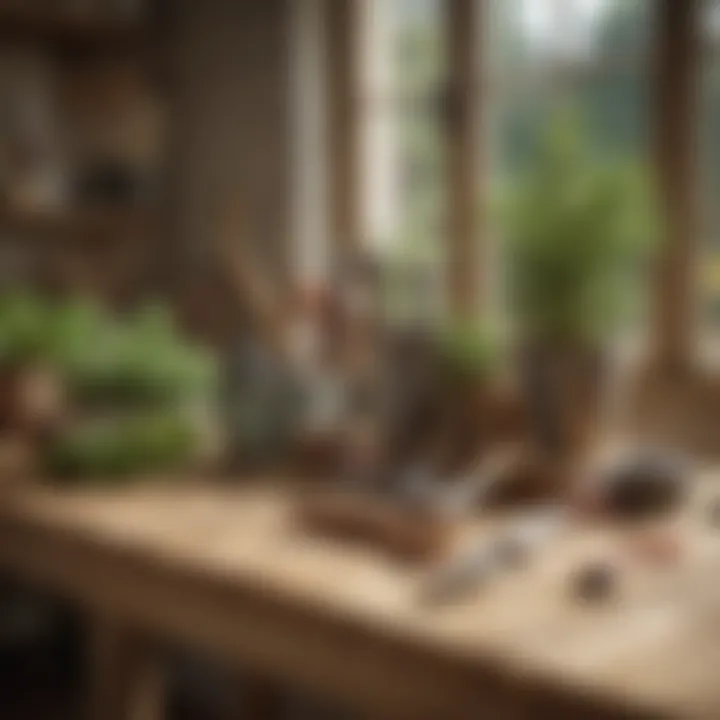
(648, 484)
(595, 582)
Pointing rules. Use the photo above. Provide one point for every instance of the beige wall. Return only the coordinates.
(231, 110)
(231, 120)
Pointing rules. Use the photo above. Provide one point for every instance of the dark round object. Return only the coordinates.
(646, 485)
(595, 582)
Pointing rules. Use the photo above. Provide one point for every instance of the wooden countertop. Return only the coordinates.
(223, 568)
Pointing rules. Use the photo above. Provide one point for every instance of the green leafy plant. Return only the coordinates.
(138, 360)
(133, 384)
(578, 228)
(25, 323)
(142, 361)
(469, 351)
(121, 447)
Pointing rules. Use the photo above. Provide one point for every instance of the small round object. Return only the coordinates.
(595, 582)
(661, 546)
(648, 484)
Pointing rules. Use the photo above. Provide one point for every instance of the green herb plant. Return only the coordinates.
(578, 229)
(134, 383)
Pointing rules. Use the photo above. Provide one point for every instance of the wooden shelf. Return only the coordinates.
(71, 30)
(72, 220)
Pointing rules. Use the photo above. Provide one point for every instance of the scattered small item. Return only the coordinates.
(649, 483)
(411, 534)
(489, 479)
(461, 577)
(658, 546)
(595, 582)
(587, 501)
(511, 551)
(467, 572)
(418, 487)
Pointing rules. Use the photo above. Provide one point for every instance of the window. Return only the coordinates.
(403, 185)
(591, 57)
(710, 171)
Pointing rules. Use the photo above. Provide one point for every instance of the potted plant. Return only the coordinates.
(480, 405)
(577, 232)
(140, 394)
(31, 391)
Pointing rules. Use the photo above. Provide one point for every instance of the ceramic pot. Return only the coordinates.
(32, 398)
(564, 388)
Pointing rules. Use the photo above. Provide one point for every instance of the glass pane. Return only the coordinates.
(613, 104)
(527, 32)
(402, 150)
(419, 55)
(588, 57)
(710, 188)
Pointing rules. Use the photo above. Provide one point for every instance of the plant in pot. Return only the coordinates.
(31, 391)
(577, 231)
(478, 407)
(141, 397)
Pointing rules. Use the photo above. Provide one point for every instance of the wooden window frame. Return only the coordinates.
(462, 134)
(677, 52)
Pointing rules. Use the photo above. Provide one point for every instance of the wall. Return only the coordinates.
(231, 118)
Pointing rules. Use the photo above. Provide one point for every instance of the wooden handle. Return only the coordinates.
(402, 533)
(252, 285)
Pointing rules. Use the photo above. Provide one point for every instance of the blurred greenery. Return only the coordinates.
(122, 447)
(138, 359)
(610, 87)
(577, 228)
(135, 385)
(25, 327)
(470, 351)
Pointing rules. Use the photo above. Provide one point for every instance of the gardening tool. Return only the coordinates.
(471, 569)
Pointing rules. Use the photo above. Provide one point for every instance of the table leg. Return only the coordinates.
(126, 675)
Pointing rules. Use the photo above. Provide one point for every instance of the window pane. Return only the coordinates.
(710, 172)
(588, 57)
(404, 174)
(420, 46)
(527, 32)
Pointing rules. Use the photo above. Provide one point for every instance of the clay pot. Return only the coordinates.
(32, 398)
(479, 414)
(564, 388)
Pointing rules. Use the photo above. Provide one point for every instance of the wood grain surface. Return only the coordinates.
(225, 570)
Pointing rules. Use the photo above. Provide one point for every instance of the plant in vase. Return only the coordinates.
(577, 230)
